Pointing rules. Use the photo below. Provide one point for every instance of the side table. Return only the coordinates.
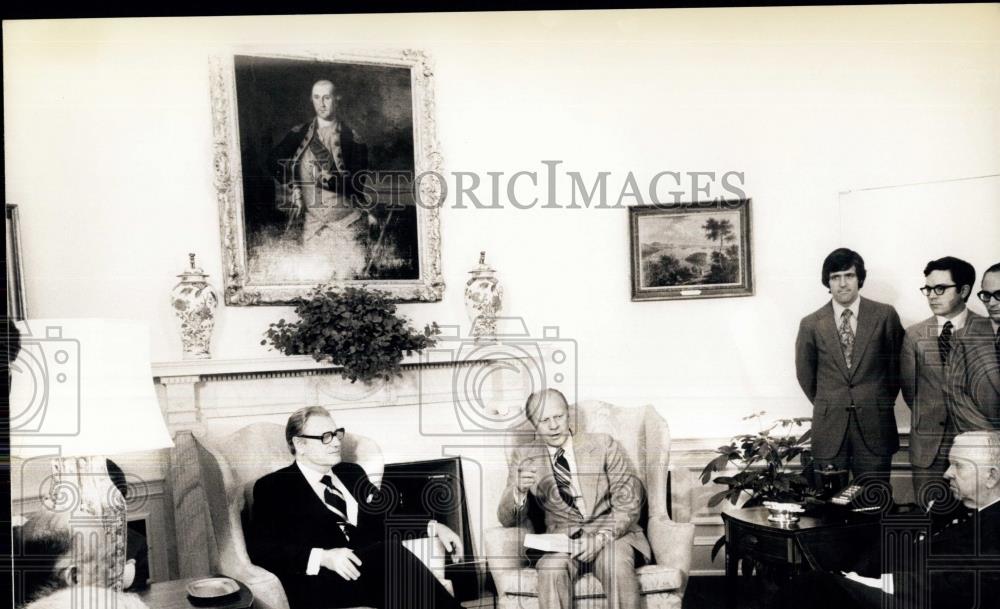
(173, 595)
(830, 532)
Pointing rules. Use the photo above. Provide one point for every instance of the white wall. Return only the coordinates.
(108, 155)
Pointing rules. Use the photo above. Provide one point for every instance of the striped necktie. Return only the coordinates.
(560, 468)
(335, 501)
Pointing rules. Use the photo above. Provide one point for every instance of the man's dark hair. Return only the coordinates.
(993, 269)
(39, 545)
(962, 273)
(841, 259)
(298, 420)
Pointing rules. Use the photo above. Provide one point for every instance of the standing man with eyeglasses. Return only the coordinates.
(320, 525)
(927, 348)
(974, 368)
(847, 363)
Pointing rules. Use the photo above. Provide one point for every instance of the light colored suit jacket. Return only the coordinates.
(923, 379)
(607, 481)
(870, 385)
(974, 378)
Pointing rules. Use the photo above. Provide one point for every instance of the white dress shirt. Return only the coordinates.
(570, 455)
(313, 477)
(957, 322)
(838, 312)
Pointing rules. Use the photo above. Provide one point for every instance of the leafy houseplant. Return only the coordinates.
(354, 328)
(763, 460)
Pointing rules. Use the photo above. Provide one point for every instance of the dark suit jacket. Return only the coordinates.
(923, 379)
(939, 572)
(967, 545)
(613, 494)
(288, 520)
(974, 378)
(870, 385)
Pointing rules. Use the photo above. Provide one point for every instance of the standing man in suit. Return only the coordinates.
(847, 363)
(927, 346)
(320, 525)
(971, 538)
(588, 491)
(974, 369)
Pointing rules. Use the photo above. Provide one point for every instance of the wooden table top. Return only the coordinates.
(173, 595)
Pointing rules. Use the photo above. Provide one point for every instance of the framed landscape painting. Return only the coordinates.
(691, 250)
(327, 172)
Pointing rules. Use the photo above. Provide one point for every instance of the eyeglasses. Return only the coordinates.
(985, 296)
(327, 436)
(937, 289)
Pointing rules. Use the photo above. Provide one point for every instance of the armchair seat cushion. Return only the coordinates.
(653, 579)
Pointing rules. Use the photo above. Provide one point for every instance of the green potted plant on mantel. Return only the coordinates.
(355, 328)
(764, 466)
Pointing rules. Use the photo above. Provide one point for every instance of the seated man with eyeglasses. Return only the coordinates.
(320, 525)
(973, 390)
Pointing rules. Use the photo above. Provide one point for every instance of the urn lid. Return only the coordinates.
(482, 268)
(194, 273)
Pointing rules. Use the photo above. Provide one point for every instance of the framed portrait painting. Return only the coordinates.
(327, 172)
(691, 250)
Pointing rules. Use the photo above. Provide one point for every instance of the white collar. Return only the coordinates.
(838, 309)
(957, 322)
(312, 476)
(567, 448)
(323, 123)
(983, 507)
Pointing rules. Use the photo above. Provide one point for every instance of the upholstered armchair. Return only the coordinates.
(646, 439)
(213, 487)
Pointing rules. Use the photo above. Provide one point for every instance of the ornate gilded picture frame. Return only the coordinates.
(691, 250)
(327, 171)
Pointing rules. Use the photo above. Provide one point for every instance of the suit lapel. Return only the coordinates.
(866, 327)
(981, 350)
(828, 332)
(588, 463)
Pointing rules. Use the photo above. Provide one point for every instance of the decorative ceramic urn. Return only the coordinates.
(194, 303)
(483, 300)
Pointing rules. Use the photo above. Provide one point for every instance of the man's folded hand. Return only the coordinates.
(343, 562)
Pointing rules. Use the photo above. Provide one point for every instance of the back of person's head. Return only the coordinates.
(962, 273)
(87, 597)
(49, 555)
(842, 259)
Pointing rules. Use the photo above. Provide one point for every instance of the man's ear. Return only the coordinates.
(70, 575)
(965, 291)
(993, 477)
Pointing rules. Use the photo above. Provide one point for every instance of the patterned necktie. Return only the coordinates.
(996, 348)
(335, 500)
(847, 336)
(562, 474)
(944, 342)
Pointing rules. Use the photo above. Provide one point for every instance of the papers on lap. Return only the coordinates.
(549, 542)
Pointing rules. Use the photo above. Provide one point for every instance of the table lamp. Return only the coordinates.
(82, 390)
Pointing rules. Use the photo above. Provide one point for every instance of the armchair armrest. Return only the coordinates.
(672, 543)
(266, 587)
(504, 554)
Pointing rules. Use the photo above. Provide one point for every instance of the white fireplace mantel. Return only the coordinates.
(216, 395)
